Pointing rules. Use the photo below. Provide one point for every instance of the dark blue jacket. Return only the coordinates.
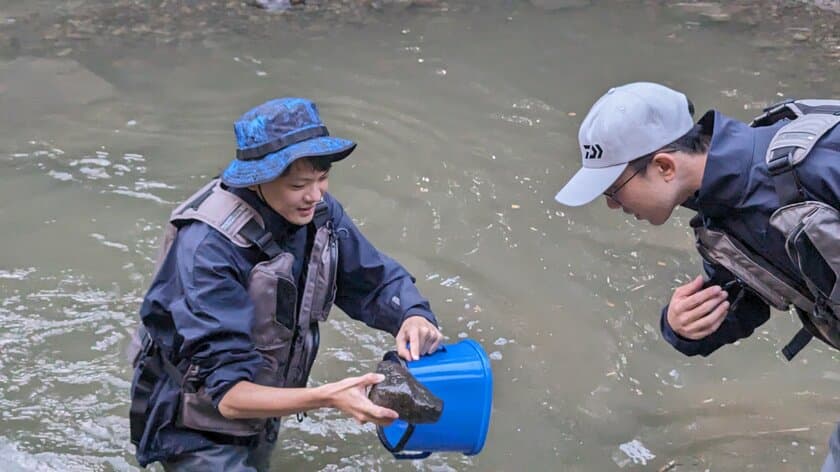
(198, 308)
(738, 196)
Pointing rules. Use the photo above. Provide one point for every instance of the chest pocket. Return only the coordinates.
(319, 292)
(812, 241)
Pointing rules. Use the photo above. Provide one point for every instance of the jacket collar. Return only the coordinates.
(274, 222)
(726, 175)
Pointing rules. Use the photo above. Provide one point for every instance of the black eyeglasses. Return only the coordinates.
(611, 194)
(639, 164)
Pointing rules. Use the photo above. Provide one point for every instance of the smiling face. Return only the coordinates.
(295, 193)
(652, 192)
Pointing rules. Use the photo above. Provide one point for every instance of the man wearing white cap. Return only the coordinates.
(767, 197)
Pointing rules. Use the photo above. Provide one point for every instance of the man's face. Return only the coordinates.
(644, 193)
(295, 194)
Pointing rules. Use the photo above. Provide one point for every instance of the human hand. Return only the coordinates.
(422, 336)
(696, 312)
(350, 396)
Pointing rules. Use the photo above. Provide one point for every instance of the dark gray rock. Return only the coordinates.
(401, 392)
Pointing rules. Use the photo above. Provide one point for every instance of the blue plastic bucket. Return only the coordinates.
(460, 375)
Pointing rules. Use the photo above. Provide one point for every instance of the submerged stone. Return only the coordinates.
(401, 392)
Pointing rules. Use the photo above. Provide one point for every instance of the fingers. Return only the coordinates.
(416, 342)
(362, 383)
(689, 288)
(369, 412)
(429, 338)
(702, 322)
(369, 379)
(700, 304)
(350, 396)
(436, 344)
(692, 300)
(401, 348)
(710, 323)
(378, 415)
(694, 312)
(421, 335)
(359, 406)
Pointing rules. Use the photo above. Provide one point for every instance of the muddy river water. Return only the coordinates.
(466, 117)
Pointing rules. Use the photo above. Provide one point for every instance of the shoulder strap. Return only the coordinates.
(809, 121)
(792, 109)
(220, 209)
(790, 146)
(258, 236)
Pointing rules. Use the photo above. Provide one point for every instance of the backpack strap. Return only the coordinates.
(799, 341)
(790, 146)
(792, 109)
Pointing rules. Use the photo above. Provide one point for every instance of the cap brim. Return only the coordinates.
(259, 171)
(588, 184)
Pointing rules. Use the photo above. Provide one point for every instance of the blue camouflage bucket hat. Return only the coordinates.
(271, 136)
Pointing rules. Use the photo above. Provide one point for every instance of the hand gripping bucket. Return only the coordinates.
(459, 374)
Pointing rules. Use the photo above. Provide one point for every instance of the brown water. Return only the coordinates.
(466, 122)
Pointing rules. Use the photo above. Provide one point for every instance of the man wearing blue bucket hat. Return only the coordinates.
(767, 198)
(249, 267)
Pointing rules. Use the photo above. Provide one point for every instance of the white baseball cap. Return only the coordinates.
(627, 123)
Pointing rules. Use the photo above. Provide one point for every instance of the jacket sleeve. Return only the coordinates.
(745, 314)
(372, 287)
(215, 315)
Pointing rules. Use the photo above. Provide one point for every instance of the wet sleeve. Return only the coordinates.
(738, 324)
(216, 314)
(748, 313)
(372, 287)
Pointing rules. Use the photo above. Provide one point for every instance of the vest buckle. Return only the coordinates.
(780, 160)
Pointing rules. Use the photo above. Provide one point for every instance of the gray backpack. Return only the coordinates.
(811, 228)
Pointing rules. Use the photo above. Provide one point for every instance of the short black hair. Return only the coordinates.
(318, 163)
(695, 141)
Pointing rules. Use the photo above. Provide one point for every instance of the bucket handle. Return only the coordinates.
(397, 448)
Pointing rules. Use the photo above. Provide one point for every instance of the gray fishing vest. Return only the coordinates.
(811, 230)
(285, 335)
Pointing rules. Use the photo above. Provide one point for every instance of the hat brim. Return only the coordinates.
(588, 184)
(241, 173)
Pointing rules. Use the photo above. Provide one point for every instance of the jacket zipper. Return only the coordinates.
(789, 242)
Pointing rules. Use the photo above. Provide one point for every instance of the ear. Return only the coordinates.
(665, 165)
